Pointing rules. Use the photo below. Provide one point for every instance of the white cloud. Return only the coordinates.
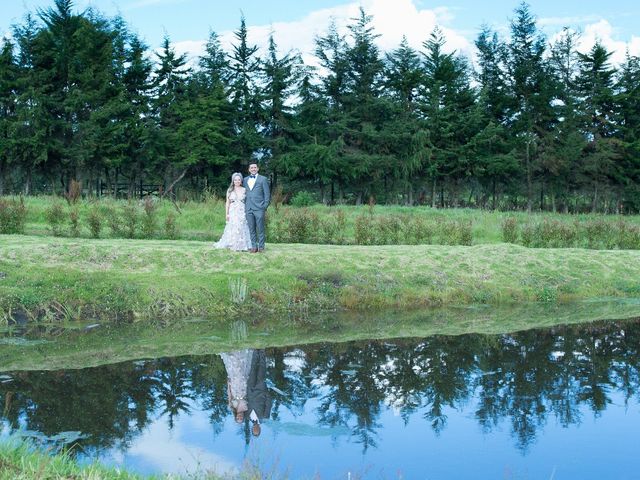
(604, 32)
(391, 20)
(172, 452)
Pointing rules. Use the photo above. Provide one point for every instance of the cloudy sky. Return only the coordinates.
(295, 23)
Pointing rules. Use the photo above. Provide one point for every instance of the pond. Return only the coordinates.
(560, 402)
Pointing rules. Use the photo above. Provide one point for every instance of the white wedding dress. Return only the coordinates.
(236, 232)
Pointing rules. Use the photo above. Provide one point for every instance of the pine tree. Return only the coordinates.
(8, 77)
(280, 76)
(531, 88)
(245, 98)
(595, 85)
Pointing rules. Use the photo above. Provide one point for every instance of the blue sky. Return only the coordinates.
(296, 22)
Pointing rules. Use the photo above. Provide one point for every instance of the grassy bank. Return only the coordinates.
(64, 279)
(19, 461)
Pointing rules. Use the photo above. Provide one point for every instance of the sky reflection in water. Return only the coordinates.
(559, 403)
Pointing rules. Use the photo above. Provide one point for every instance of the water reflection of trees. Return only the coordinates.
(524, 379)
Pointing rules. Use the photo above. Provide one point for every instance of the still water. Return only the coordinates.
(560, 403)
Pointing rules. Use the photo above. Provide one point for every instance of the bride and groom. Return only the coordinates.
(246, 205)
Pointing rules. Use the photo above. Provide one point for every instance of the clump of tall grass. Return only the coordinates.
(332, 228)
(171, 230)
(150, 218)
(114, 221)
(13, 215)
(510, 230)
(131, 219)
(55, 217)
(95, 221)
(364, 230)
(74, 221)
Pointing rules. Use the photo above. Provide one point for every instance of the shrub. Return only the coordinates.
(454, 232)
(364, 230)
(628, 236)
(55, 217)
(303, 199)
(114, 221)
(74, 222)
(13, 216)
(131, 218)
(171, 226)
(417, 230)
(510, 230)
(299, 225)
(387, 230)
(597, 234)
(528, 235)
(94, 221)
(150, 218)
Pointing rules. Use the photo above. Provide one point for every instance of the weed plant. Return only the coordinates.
(13, 215)
(56, 218)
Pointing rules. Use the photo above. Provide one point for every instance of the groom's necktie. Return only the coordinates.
(251, 182)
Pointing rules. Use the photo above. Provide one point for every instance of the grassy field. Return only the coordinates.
(204, 221)
(61, 278)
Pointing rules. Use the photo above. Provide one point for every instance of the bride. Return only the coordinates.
(236, 231)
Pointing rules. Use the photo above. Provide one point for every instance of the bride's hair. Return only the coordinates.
(233, 177)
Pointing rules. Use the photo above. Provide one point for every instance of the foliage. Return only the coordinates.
(83, 99)
(13, 215)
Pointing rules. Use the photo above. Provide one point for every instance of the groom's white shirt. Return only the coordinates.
(251, 182)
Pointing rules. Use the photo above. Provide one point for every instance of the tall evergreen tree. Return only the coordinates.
(595, 85)
(170, 84)
(628, 101)
(280, 78)
(531, 115)
(244, 93)
(8, 77)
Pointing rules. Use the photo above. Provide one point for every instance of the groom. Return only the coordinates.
(256, 203)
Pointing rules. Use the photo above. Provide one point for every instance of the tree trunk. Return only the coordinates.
(410, 194)
(495, 198)
(27, 183)
(529, 181)
(433, 193)
(594, 205)
(2, 170)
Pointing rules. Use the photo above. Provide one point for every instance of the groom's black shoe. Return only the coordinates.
(253, 250)
(261, 250)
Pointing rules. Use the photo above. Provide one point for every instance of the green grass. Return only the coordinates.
(61, 278)
(19, 461)
(205, 220)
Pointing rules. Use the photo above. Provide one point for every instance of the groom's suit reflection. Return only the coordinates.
(258, 399)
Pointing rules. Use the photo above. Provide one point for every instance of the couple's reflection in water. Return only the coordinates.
(247, 393)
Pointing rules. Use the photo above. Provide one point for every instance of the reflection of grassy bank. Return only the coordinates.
(51, 348)
(58, 278)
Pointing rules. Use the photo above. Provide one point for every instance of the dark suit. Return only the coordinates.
(258, 398)
(256, 204)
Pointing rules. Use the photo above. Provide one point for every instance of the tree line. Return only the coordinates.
(532, 125)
